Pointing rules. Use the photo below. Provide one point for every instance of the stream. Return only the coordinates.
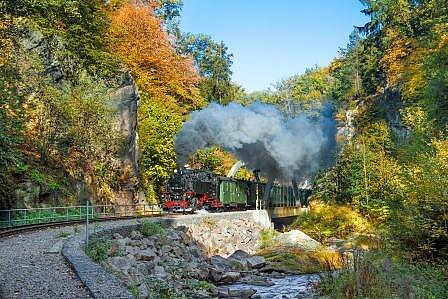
(290, 286)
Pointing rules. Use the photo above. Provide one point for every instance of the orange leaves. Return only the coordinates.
(138, 38)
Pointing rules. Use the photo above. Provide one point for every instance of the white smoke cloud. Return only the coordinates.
(262, 137)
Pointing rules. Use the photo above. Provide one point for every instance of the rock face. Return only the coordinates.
(390, 105)
(124, 96)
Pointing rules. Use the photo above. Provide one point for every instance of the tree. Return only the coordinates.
(213, 63)
(137, 37)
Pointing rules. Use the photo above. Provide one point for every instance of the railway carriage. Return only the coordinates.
(188, 190)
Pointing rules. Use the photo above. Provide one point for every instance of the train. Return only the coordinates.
(188, 190)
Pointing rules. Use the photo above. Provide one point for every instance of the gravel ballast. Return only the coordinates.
(27, 270)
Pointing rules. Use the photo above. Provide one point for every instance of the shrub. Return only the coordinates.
(329, 220)
(98, 249)
(149, 228)
(267, 237)
(376, 275)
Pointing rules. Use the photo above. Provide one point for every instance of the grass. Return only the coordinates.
(267, 238)
(149, 228)
(376, 275)
(325, 221)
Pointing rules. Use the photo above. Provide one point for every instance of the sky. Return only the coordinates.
(274, 39)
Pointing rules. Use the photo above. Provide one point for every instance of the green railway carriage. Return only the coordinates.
(233, 192)
(207, 189)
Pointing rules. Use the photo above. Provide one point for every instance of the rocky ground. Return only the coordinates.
(172, 263)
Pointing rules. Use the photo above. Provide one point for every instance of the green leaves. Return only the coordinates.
(157, 127)
(213, 63)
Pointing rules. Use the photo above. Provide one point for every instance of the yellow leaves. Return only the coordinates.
(414, 117)
(441, 30)
(393, 60)
(442, 151)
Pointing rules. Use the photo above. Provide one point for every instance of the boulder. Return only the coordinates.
(239, 255)
(215, 275)
(241, 293)
(223, 292)
(220, 263)
(296, 238)
(135, 235)
(230, 277)
(257, 280)
(147, 255)
(121, 262)
(255, 262)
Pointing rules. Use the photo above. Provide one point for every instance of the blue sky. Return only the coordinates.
(274, 39)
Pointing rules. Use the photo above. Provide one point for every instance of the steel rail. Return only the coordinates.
(4, 232)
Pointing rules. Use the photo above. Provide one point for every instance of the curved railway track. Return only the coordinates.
(32, 227)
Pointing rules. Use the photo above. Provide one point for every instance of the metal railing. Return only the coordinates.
(20, 217)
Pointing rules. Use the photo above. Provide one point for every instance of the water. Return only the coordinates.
(291, 286)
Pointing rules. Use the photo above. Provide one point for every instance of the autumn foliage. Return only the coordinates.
(137, 37)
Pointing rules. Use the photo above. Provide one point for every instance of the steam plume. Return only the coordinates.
(263, 138)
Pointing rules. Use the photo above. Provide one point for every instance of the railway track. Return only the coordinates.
(4, 232)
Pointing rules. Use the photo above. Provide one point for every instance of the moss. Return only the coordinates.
(300, 261)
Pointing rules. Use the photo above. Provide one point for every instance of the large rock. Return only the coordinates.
(296, 238)
(220, 263)
(123, 263)
(124, 96)
(241, 293)
(135, 235)
(239, 255)
(255, 262)
(147, 255)
(230, 277)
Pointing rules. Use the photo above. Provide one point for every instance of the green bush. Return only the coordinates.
(267, 237)
(98, 249)
(150, 228)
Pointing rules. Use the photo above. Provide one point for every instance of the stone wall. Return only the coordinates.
(102, 284)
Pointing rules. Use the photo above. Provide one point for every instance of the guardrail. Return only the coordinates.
(20, 217)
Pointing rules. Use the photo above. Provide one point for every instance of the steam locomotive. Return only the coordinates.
(188, 190)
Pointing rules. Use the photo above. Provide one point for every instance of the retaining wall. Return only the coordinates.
(103, 284)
